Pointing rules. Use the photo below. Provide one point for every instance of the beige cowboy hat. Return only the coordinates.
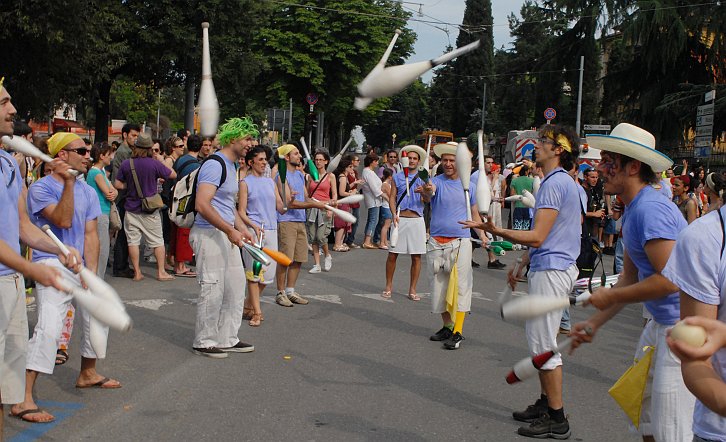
(445, 148)
(633, 142)
(414, 148)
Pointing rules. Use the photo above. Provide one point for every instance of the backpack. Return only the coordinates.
(182, 209)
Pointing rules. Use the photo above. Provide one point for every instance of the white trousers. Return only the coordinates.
(495, 212)
(542, 331)
(13, 338)
(221, 276)
(440, 259)
(52, 307)
(667, 412)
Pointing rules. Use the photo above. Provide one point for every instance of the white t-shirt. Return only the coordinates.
(372, 188)
(698, 268)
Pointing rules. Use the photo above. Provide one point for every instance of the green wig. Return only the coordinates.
(236, 128)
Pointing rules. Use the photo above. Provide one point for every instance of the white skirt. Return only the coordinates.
(411, 237)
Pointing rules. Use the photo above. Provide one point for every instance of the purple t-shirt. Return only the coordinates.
(86, 207)
(413, 200)
(261, 201)
(296, 181)
(225, 198)
(148, 170)
(448, 207)
(560, 249)
(10, 188)
(652, 216)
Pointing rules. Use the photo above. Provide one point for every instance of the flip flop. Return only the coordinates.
(413, 297)
(100, 384)
(24, 413)
(386, 294)
(61, 357)
(187, 274)
(166, 278)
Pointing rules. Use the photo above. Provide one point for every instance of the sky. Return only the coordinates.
(431, 41)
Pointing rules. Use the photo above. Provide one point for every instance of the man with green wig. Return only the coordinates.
(216, 235)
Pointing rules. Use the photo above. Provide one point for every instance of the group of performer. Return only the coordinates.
(677, 271)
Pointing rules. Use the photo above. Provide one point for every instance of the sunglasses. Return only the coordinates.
(82, 151)
(156, 150)
(178, 145)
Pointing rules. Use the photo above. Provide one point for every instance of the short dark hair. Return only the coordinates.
(252, 153)
(325, 155)
(386, 173)
(646, 173)
(22, 129)
(98, 149)
(128, 127)
(194, 143)
(389, 151)
(369, 159)
(181, 133)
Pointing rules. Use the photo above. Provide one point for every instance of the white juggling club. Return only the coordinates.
(463, 167)
(351, 199)
(394, 231)
(208, 106)
(342, 214)
(336, 159)
(483, 191)
(528, 307)
(21, 145)
(386, 81)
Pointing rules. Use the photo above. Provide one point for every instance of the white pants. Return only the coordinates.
(542, 331)
(440, 260)
(13, 338)
(667, 412)
(52, 307)
(221, 275)
(495, 212)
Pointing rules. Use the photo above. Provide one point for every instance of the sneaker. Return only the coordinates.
(546, 427)
(282, 300)
(297, 299)
(315, 269)
(533, 412)
(328, 263)
(210, 352)
(454, 341)
(441, 335)
(239, 347)
(496, 264)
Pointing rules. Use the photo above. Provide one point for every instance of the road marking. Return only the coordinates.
(333, 299)
(150, 304)
(61, 411)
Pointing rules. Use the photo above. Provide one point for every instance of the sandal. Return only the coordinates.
(414, 297)
(61, 357)
(341, 249)
(256, 320)
(247, 313)
(386, 294)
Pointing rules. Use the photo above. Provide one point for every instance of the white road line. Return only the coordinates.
(374, 296)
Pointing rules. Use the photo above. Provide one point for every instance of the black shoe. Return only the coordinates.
(128, 273)
(454, 341)
(546, 427)
(474, 264)
(210, 352)
(239, 347)
(441, 335)
(533, 412)
(609, 251)
(496, 265)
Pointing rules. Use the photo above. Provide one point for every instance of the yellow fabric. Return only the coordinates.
(628, 390)
(58, 141)
(459, 322)
(452, 290)
(285, 149)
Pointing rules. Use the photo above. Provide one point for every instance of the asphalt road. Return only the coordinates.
(348, 366)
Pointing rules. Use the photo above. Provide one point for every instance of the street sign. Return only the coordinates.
(710, 95)
(702, 152)
(704, 120)
(703, 131)
(705, 109)
(703, 141)
(311, 98)
(550, 114)
(605, 127)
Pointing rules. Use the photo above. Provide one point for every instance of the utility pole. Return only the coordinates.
(289, 126)
(579, 96)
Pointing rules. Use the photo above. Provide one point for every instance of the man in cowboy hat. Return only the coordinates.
(651, 225)
(407, 207)
(448, 254)
(552, 258)
(71, 208)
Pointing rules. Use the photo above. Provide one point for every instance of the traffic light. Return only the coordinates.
(312, 120)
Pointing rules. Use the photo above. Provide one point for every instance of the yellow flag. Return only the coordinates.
(628, 390)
